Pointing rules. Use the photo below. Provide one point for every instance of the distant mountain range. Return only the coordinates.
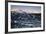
(25, 10)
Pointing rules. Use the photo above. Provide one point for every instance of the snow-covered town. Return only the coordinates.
(22, 19)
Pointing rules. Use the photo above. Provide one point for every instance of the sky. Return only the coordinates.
(27, 9)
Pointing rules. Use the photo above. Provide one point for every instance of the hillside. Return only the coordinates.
(24, 20)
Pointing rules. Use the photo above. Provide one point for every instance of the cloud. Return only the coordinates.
(27, 9)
